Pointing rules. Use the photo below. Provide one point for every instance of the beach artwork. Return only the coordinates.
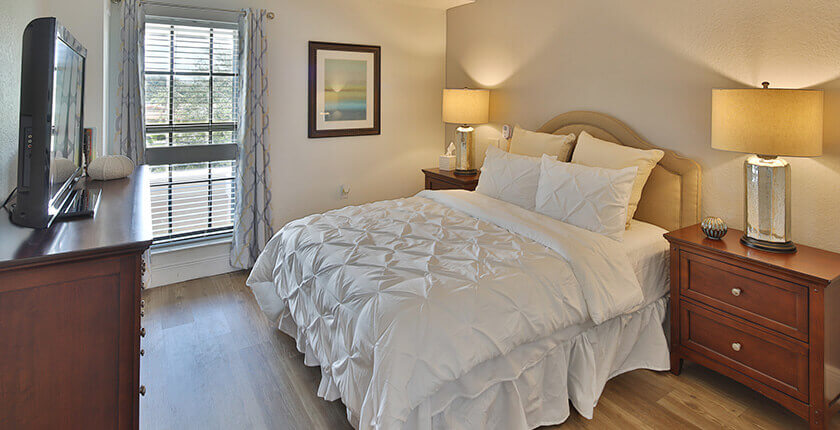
(345, 96)
(343, 89)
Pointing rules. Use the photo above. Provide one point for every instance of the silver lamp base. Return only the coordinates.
(767, 204)
(464, 152)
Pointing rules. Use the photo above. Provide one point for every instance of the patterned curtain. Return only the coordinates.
(252, 222)
(129, 133)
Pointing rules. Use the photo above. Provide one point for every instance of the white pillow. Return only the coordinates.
(592, 198)
(535, 144)
(594, 152)
(509, 177)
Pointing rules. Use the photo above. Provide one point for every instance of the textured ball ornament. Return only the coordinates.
(714, 228)
(110, 167)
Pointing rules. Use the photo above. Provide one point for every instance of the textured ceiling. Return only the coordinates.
(435, 4)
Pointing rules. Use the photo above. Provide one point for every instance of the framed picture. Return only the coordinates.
(343, 89)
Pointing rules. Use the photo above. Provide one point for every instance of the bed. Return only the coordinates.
(453, 310)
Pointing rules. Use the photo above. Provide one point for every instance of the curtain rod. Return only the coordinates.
(269, 15)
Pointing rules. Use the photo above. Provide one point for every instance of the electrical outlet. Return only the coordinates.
(344, 192)
(507, 131)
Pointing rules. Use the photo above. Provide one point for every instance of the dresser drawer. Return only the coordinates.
(771, 302)
(773, 360)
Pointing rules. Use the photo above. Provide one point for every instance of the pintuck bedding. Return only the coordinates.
(451, 309)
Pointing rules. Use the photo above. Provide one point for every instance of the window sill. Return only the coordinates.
(191, 244)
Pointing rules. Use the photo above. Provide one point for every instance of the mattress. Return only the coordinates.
(648, 252)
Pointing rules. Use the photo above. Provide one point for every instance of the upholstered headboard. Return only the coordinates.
(671, 197)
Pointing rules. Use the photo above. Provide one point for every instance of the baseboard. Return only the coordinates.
(832, 380)
(179, 265)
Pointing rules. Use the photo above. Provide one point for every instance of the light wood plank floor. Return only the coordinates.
(213, 362)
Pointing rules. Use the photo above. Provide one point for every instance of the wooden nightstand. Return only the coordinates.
(437, 179)
(770, 321)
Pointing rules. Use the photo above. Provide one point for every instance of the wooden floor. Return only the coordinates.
(213, 362)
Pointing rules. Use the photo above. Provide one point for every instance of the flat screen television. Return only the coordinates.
(51, 114)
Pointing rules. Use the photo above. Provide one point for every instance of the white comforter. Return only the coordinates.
(395, 298)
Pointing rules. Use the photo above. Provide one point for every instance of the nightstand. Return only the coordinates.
(437, 179)
(770, 321)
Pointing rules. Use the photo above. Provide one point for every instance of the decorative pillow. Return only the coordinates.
(594, 152)
(509, 177)
(592, 198)
(535, 144)
(109, 167)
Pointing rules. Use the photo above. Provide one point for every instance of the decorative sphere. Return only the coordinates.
(714, 228)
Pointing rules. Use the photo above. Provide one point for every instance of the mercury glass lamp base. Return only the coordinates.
(782, 248)
(767, 204)
(464, 157)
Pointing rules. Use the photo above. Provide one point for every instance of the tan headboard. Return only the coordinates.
(671, 197)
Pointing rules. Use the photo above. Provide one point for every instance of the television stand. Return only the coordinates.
(81, 203)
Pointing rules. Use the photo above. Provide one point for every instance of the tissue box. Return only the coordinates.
(447, 162)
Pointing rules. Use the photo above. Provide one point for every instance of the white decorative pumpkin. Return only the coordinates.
(110, 167)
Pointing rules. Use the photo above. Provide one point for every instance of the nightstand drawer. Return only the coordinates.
(436, 184)
(773, 360)
(771, 302)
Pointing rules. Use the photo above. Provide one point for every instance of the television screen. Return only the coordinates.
(65, 133)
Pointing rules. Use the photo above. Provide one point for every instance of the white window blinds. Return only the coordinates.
(191, 112)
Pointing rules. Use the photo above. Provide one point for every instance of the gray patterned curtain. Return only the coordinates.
(129, 133)
(252, 223)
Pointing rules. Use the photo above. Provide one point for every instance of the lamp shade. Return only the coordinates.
(768, 121)
(465, 106)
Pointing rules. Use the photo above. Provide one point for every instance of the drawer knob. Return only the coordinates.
(142, 331)
(142, 390)
(142, 352)
(142, 303)
(142, 313)
(736, 292)
(736, 346)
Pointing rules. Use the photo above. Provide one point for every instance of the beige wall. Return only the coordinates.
(87, 21)
(306, 173)
(13, 19)
(653, 64)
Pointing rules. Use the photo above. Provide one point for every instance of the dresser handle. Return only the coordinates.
(736, 292)
(142, 303)
(142, 331)
(142, 352)
(736, 346)
(142, 313)
(142, 390)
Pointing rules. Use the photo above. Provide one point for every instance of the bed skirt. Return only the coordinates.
(532, 385)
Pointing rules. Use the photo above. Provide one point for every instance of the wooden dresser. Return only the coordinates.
(70, 314)
(770, 321)
(437, 179)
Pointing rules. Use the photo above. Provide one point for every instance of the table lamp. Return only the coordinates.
(465, 107)
(769, 123)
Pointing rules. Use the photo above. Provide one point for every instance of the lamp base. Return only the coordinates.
(464, 159)
(778, 247)
(466, 172)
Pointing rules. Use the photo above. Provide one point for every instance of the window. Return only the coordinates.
(191, 140)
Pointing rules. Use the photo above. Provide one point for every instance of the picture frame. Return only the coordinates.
(344, 89)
